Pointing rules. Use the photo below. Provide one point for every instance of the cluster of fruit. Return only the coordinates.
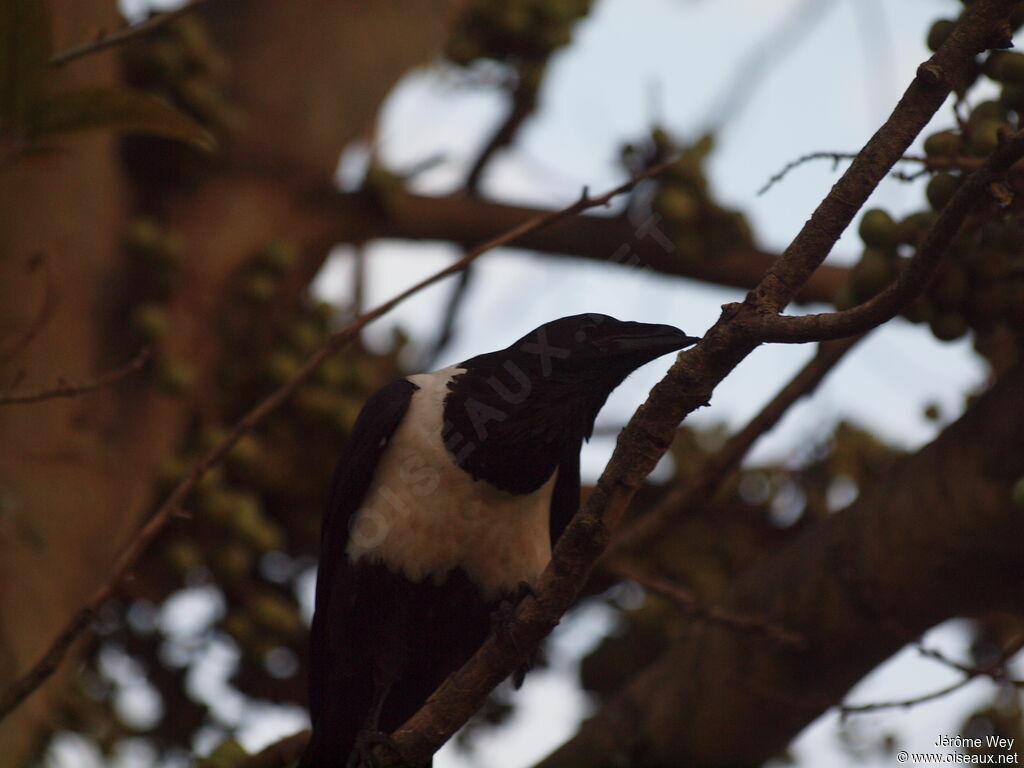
(520, 32)
(155, 262)
(980, 285)
(262, 276)
(698, 226)
(181, 62)
(265, 498)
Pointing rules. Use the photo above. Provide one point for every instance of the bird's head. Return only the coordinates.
(592, 351)
(540, 395)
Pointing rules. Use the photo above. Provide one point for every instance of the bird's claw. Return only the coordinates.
(503, 618)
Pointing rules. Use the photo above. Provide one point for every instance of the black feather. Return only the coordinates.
(339, 688)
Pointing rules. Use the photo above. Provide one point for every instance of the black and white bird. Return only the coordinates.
(451, 490)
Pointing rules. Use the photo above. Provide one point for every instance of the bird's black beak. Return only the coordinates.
(648, 341)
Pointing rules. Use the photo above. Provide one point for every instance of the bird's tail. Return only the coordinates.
(338, 713)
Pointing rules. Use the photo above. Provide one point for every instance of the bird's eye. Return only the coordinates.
(585, 328)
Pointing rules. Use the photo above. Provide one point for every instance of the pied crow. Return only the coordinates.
(450, 492)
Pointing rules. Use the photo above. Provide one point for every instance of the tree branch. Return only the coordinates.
(451, 312)
(64, 389)
(910, 546)
(22, 687)
(523, 102)
(688, 603)
(465, 221)
(939, 163)
(686, 497)
(984, 25)
(912, 281)
(689, 384)
(105, 39)
(996, 670)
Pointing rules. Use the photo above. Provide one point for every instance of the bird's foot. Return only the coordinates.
(366, 743)
(502, 620)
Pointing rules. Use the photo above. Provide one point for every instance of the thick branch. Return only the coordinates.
(938, 537)
(914, 279)
(22, 687)
(983, 25)
(689, 385)
(466, 221)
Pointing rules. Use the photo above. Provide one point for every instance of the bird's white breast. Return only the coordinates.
(423, 516)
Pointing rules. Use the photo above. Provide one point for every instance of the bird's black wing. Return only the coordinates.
(333, 658)
(565, 499)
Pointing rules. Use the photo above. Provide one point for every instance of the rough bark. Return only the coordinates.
(76, 473)
(937, 538)
(469, 220)
(65, 475)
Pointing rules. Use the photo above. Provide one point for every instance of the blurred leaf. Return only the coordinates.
(117, 109)
(703, 146)
(26, 48)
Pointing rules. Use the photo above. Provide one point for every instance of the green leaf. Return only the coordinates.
(117, 109)
(25, 49)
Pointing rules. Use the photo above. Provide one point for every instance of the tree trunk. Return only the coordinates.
(76, 474)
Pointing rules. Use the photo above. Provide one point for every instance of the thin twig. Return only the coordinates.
(859, 709)
(105, 39)
(358, 279)
(51, 658)
(939, 656)
(714, 614)
(912, 280)
(451, 313)
(523, 101)
(698, 489)
(65, 389)
(12, 346)
(995, 670)
(835, 157)
(928, 164)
